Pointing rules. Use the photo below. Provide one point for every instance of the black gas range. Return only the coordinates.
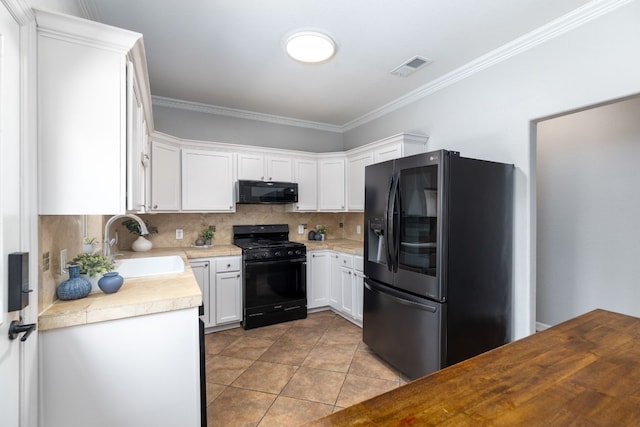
(274, 274)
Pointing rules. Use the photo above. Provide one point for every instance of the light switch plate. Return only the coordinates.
(300, 229)
(179, 234)
(63, 261)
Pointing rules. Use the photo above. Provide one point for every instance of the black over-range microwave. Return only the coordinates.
(267, 192)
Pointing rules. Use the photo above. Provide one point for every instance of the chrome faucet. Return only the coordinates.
(106, 246)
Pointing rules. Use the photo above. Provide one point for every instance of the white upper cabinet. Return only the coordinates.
(137, 150)
(207, 180)
(82, 115)
(264, 167)
(306, 175)
(165, 176)
(355, 179)
(251, 166)
(401, 145)
(331, 183)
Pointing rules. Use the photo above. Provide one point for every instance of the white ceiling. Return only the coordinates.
(229, 53)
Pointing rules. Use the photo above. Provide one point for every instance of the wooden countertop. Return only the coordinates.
(585, 371)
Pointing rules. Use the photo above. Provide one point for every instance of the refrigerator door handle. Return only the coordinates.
(393, 236)
(401, 300)
(388, 220)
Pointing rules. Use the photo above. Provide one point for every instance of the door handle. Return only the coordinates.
(17, 327)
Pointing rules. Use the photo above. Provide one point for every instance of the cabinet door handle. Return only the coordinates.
(238, 276)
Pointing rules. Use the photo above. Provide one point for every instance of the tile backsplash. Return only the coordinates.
(193, 224)
(57, 232)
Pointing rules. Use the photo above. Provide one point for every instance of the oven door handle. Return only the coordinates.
(302, 261)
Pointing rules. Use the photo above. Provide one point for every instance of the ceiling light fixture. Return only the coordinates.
(310, 46)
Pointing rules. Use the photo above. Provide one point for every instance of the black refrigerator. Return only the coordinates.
(438, 259)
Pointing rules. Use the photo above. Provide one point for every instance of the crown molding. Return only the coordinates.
(80, 30)
(161, 101)
(568, 22)
(553, 29)
(20, 10)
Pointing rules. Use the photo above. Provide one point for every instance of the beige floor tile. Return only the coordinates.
(238, 407)
(296, 336)
(247, 348)
(215, 343)
(367, 364)
(271, 332)
(345, 336)
(213, 391)
(266, 377)
(316, 385)
(259, 362)
(293, 355)
(330, 358)
(357, 388)
(224, 370)
(287, 411)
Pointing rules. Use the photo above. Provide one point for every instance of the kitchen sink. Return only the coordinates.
(149, 266)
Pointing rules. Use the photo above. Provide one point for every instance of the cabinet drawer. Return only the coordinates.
(228, 264)
(345, 260)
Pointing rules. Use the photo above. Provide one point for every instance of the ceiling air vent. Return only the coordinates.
(410, 66)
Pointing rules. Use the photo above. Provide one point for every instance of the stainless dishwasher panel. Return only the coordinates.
(404, 330)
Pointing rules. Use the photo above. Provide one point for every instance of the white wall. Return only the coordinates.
(201, 126)
(588, 211)
(489, 115)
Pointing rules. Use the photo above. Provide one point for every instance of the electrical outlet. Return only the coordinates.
(358, 230)
(63, 261)
(179, 234)
(300, 229)
(45, 261)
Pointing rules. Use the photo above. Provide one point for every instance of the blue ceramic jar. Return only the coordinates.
(74, 287)
(110, 282)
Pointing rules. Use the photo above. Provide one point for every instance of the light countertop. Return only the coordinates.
(352, 247)
(138, 296)
(156, 294)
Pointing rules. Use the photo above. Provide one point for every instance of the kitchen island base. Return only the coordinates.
(137, 371)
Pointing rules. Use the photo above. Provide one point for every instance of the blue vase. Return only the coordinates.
(74, 287)
(110, 282)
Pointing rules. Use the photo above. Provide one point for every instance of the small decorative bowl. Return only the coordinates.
(110, 282)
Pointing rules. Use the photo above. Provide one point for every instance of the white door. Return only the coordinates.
(18, 383)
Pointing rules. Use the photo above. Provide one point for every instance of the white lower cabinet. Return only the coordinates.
(358, 287)
(335, 287)
(336, 280)
(228, 298)
(318, 278)
(220, 279)
(138, 371)
(201, 271)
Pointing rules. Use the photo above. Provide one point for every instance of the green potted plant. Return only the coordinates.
(207, 236)
(88, 245)
(92, 266)
(141, 244)
(321, 230)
